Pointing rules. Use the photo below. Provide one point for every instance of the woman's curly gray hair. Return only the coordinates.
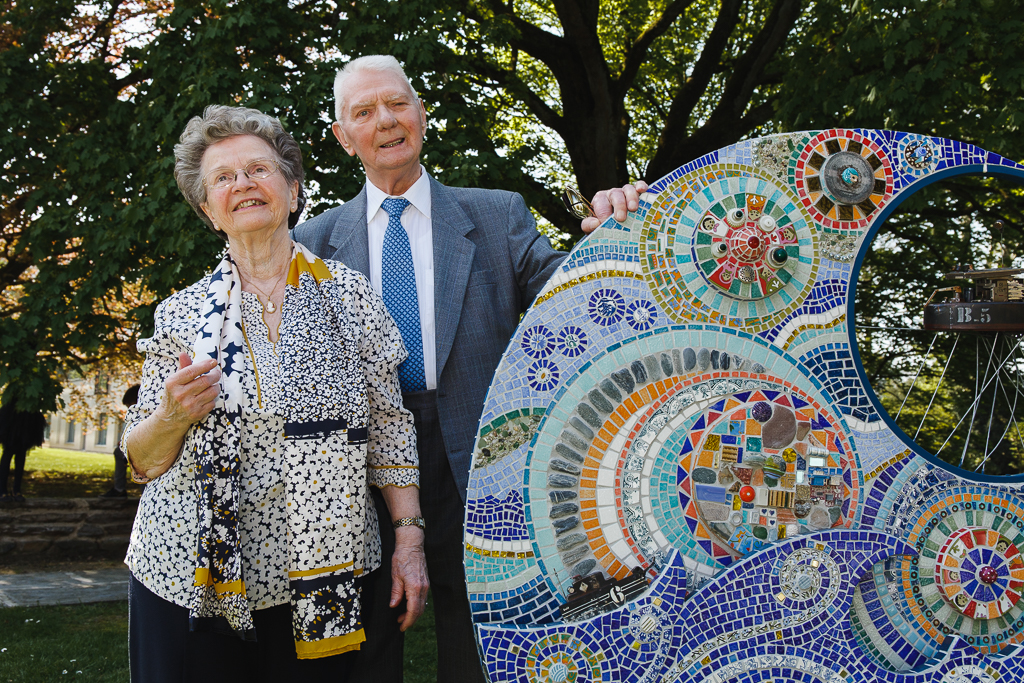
(220, 122)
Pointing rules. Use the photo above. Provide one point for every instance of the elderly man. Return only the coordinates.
(456, 268)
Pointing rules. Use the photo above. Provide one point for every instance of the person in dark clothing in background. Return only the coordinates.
(19, 432)
(120, 487)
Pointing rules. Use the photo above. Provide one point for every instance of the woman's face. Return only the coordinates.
(246, 205)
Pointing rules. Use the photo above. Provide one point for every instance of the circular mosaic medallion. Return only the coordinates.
(917, 155)
(969, 575)
(843, 179)
(646, 625)
(561, 658)
(542, 375)
(606, 307)
(980, 571)
(767, 465)
(730, 248)
(571, 341)
(809, 579)
(746, 247)
(537, 342)
(641, 315)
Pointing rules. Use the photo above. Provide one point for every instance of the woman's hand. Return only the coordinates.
(189, 396)
(409, 563)
(191, 392)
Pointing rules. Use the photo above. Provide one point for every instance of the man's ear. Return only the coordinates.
(339, 133)
(423, 114)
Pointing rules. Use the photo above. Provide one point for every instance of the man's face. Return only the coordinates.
(382, 123)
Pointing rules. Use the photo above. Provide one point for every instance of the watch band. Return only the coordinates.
(410, 521)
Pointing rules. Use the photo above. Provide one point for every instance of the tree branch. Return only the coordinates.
(749, 68)
(638, 51)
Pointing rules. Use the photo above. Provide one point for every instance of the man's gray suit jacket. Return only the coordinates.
(489, 264)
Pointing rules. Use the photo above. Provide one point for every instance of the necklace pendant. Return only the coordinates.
(270, 306)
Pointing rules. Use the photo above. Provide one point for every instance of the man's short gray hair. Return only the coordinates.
(220, 122)
(362, 65)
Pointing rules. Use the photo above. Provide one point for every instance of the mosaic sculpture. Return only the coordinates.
(681, 472)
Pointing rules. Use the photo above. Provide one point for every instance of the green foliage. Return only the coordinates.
(948, 68)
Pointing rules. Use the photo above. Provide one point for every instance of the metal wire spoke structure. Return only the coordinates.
(961, 398)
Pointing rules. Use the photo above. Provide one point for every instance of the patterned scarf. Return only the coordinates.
(322, 418)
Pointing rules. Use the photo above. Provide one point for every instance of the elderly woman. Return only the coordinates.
(269, 403)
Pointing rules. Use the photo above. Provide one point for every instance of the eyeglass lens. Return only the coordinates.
(258, 169)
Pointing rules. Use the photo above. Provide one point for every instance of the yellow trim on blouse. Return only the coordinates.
(323, 570)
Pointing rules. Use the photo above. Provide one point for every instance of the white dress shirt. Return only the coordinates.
(416, 221)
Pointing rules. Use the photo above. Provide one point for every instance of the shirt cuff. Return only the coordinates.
(394, 476)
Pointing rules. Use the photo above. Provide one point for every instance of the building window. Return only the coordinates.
(102, 385)
(46, 429)
(101, 430)
(71, 432)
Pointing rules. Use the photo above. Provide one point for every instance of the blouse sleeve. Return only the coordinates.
(161, 362)
(391, 452)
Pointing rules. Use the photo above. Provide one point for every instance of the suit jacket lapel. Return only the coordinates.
(349, 237)
(453, 260)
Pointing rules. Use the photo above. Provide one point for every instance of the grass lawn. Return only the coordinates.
(80, 642)
(60, 473)
(90, 643)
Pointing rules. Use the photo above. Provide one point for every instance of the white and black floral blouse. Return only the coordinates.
(163, 544)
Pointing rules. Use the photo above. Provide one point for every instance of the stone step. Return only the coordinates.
(66, 527)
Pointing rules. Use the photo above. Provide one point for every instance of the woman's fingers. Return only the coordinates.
(191, 392)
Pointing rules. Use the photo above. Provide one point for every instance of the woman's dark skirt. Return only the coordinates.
(162, 649)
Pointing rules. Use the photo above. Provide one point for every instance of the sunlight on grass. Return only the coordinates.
(60, 473)
(69, 462)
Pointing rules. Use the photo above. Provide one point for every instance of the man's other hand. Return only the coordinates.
(616, 201)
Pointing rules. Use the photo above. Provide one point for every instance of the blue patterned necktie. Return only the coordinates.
(398, 280)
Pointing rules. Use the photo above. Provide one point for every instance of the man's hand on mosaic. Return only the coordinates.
(617, 201)
(409, 574)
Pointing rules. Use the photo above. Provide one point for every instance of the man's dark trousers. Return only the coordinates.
(380, 658)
